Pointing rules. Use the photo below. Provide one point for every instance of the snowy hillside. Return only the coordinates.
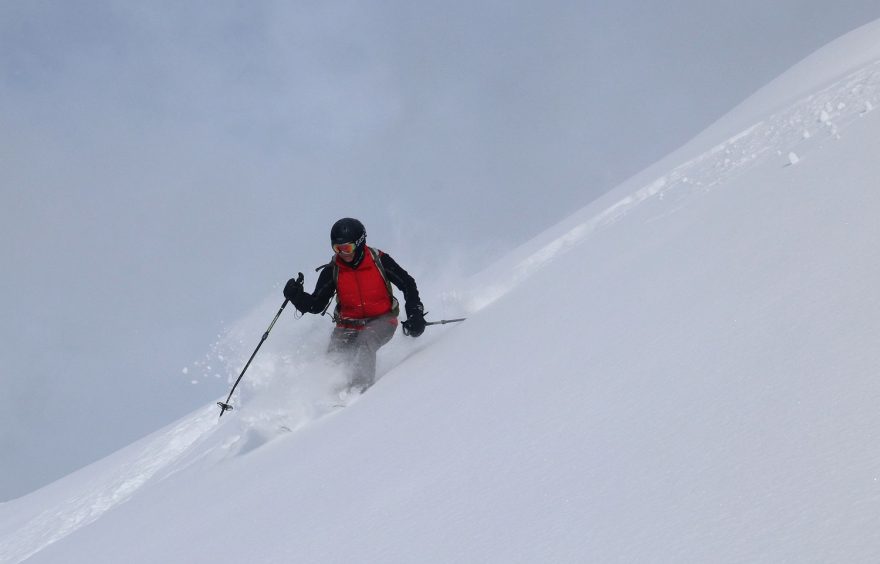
(683, 371)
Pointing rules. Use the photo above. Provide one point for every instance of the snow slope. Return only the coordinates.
(683, 371)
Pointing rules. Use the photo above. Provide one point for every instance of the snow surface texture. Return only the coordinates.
(684, 371)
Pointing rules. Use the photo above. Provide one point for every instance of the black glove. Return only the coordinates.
(294, 287)
(415, 322)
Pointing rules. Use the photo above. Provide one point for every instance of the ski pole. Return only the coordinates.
(445, 321)
(224, 406)
(441, 322)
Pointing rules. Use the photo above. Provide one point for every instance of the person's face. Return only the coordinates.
(345, 251)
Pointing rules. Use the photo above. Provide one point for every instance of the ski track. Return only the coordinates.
(820, 116)
(817, 117)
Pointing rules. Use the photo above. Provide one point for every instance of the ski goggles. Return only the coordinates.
(344, 248)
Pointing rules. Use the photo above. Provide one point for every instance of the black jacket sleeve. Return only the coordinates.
(401, 278)
(317, 300)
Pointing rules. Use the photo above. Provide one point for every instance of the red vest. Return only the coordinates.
(362, 291)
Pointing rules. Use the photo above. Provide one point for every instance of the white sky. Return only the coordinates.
(167, 166)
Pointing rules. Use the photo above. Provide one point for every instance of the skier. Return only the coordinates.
(366, 310)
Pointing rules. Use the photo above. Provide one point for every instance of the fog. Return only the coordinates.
(166, 167)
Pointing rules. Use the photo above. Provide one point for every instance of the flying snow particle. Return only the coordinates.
(806, 134)
(193, 382)
(824, 117)
(793, 159)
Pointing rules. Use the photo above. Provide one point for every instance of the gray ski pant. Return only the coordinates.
(356, 348)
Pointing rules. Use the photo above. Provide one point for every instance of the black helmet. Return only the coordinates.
(348, 230)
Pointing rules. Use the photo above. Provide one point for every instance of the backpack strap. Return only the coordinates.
(376, 253)
(395, 305)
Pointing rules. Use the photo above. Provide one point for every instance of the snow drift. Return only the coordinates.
(685, 370)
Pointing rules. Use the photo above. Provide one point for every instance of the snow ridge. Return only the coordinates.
(114, 487)
(808, 122)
